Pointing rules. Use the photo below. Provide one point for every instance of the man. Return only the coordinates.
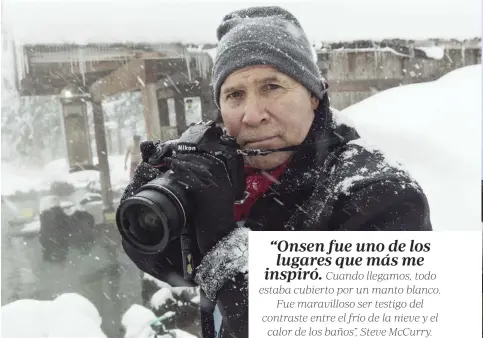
(271, 95)
(133, 150)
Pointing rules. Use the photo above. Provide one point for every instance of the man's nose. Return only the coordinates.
(256, 111)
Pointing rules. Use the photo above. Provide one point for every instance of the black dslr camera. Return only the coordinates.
(159, 212)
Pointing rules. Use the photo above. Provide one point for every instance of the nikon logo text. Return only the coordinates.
(182, 147)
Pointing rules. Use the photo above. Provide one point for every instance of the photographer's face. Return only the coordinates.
(266, 109)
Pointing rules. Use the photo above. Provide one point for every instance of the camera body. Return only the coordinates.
(159, 211)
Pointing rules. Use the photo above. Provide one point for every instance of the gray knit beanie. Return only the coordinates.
(265, 36)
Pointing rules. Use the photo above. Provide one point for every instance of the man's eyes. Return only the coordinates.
(238, 94)
(234, 95)
(272, 86)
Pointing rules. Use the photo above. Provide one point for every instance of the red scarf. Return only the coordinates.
(257, 183)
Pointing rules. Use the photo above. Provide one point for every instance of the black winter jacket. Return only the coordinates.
(332, 183)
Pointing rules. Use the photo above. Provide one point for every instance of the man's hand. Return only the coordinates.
(144, 172)
(208, 181)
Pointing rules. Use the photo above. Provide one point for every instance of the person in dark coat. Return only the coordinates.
(271, 95)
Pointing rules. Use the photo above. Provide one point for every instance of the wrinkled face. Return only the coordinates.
(266, 109)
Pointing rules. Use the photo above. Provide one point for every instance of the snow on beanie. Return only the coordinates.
(267, 35)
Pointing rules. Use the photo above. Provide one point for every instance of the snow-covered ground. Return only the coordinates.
(72, 315)
(69, 315)
(24, 179)
(136, 323)
(434, 130)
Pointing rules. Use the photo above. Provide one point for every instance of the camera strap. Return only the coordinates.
(187, 244)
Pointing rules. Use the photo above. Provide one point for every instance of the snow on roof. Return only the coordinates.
(441, 119)
(371, 49)
(434, 52)
(151, 21)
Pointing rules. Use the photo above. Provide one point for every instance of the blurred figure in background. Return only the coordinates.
(135, 153)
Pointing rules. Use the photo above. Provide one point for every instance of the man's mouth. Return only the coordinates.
(260, 142)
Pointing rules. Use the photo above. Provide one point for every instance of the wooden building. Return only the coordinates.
(91, 73)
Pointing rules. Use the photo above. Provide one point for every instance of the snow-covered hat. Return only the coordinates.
(267, 35)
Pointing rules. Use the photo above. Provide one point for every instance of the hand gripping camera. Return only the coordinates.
(160, 210)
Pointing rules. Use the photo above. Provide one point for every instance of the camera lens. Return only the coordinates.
(145, 224)
(154, 216)
(148, 220)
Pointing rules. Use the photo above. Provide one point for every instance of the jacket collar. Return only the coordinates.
(324, 136)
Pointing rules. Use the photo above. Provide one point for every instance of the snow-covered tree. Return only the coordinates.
(32, 130)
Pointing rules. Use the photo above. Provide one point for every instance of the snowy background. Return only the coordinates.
(84, 21)
(98, 292)
(434, 130)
